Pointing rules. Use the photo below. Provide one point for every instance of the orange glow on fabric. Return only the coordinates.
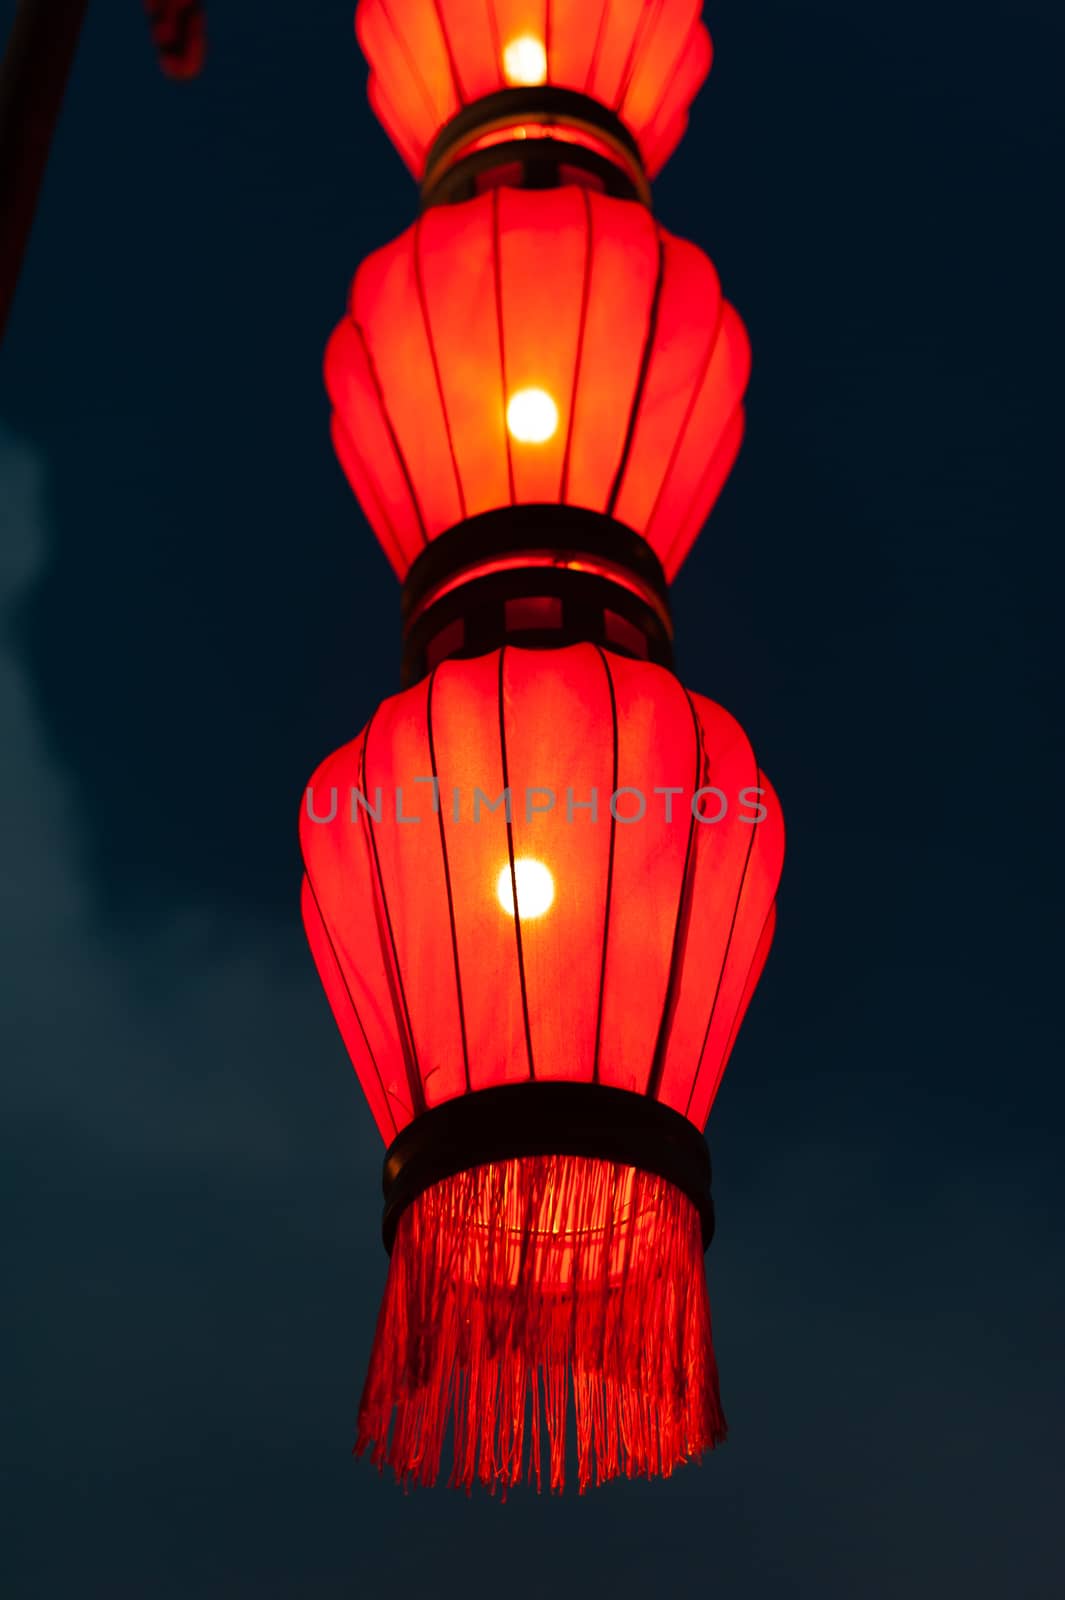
(537, 347)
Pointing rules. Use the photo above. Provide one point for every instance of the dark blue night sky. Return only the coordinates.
(193, 613)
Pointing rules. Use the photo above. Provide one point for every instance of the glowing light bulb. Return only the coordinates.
(532, 416)
(536, 888)
(525, 61)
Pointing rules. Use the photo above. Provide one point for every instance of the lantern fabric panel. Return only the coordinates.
(553, 725)
(717, 470)
(350, 950)
(561, 294)
(682, 498)
(367, 449)
(411, 896)
(659, 748)
(667, 123)
(633, 971)
(459, 303)
(645, 60)
(468, 758)
(342, 1005)
(706, 1086)
(624, 269)
(724, 852)
(366, 487)
(745, 954)
(542, 310)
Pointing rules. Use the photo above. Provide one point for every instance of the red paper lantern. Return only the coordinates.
(541, 1073)
(537, 348)
(429, 59)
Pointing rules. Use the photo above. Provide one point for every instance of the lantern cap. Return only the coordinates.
(537, 575)
(534, 138)
(535, 1118)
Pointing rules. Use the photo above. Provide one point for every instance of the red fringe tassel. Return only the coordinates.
(515, 1284)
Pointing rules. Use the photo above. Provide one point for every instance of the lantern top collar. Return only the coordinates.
(534, 138)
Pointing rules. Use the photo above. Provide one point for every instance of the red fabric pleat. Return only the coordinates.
(521, 1286)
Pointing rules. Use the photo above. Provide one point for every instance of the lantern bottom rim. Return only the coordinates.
(537, 575)
(540, 1118)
